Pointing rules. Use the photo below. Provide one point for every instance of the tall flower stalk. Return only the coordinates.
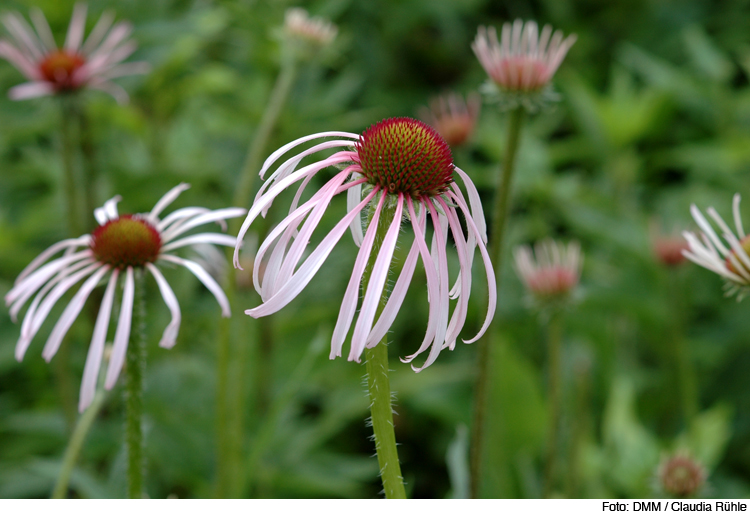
(397, 169)
(301, 37)
(520, 67)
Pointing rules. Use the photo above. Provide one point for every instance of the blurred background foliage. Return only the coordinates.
(654, 116)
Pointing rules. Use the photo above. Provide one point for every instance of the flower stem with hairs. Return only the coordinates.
(135, 366)
(495, 246)
(378, 385)
(554, 381)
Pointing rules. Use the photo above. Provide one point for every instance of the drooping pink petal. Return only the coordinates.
(122, 333)
(349, 303)
(20, 61)
(459, 313)
(205, 278)
(169, 337)
(307, 270)
(376, 283)
(71, 313)
(289, 146)
(96, 349)
(397, 296)
(353, 197)
(53, 249)
(181, 216)
(489, 271)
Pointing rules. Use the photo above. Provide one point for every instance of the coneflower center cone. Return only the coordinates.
(59, 66)
(405, 156)
(127, 241)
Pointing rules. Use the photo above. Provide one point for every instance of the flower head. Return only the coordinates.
(309, 31)
(680, 475)
(78, 64)
(120, 245)
(731, 263)
(668, 249)
(551, 271)
(453, 118)
(523, 62)
(399, 168)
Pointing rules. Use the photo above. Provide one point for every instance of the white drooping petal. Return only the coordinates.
(206, 237)
(202, 219)
(353, 197)
(169, 337)
(122, 333)
(47, 254)
(71, 313)
(205, 278)
(460, 311)
(96, 349)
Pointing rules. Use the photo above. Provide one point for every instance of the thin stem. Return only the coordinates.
(70, 181)
(378, 385)
(230, 395)
(554, 378)
(135, 366)
(76, 443)
(251, 167)
(88, 152)
(495, 246)
(684, 366)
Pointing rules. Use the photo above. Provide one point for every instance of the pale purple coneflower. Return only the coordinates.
(118, 247)
(551, 271)
(398, 163)
(522, 63)
(452, 117)
(313, 30)
(77, 64)
(731, 263)
(668, 248)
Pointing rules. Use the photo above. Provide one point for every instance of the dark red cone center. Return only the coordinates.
(403, 155)
(125, 242)
(59, 66)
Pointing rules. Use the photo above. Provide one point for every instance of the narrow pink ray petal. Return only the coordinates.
(96, 35)
(75, 29)
(287, 147)
(396, 298)
(96, 349)
(202, 219)
(353, 197)
(42, 29)
(442, 299)
(169, 337)
(20, 61)
(205, 278)
(459, 312)
(53, 249)
(24, 36)
(308, 269)
(376, 284)
(71, 313)
(268, 198)
(120, 32)
(122, 333)
(181, 215)
(206, 237)
(489, 271)
(166, 200)
(303, 238)
(30, 90)
(110, 88)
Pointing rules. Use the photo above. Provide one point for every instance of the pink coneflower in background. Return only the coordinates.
(668, 249)
(78, 64)
(731, 263)
(399, 166)
(120, 245)
(312, 30)
(522, 60)
(680, 475)
(452, 117)
(551, 271)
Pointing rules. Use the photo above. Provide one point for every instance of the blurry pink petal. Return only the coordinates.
(122, 333)
(169, 337)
